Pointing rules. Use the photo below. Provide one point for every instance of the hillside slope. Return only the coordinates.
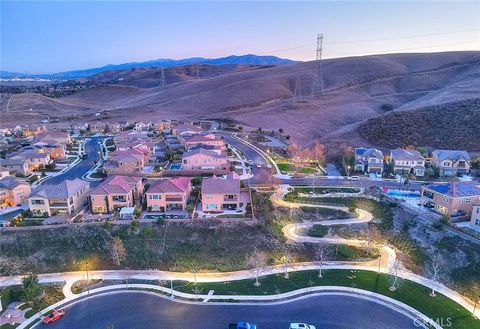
(449, 126)
(355, 90)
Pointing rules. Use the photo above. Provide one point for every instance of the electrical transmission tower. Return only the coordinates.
(297, 95)
(317, 84)
(163, 82)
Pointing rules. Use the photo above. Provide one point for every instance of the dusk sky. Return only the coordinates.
(46, 37)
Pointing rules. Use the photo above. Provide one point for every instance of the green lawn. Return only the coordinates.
(408, 292)
(318, 231)
(9, 326)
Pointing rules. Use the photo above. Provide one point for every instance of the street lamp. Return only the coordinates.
(379, 263)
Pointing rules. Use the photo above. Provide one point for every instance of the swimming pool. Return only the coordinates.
(402, 194)
(175, 166)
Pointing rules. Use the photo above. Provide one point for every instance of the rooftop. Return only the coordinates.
(215, 184)
(451, 155)
(402, 154)
(117, 184)
(174, 185)
(456, 189)
(62, 190)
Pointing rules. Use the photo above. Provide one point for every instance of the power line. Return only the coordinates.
(398, 38)
(366, 40)
(412, 48)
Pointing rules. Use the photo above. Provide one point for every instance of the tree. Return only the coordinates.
(257, 262)
(434, 270)
(280, 130)
(320, 256)
(32, 291)
(394, 275)
(117, 251)
(286, 260)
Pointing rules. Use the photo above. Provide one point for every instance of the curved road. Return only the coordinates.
(125, 310)
(92, 149)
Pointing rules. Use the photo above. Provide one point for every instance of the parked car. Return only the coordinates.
(259, 165)
(301, 326)
(353, 177)
(269, 166)
(54, 316)
(242, 325)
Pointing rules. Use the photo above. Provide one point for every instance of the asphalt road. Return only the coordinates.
(261, 174)
(136, 310)
(91, 148)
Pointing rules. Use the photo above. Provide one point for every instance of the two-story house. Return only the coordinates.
(202, 159)
(407, 161)
(219, 194)
(67, 197)
(116, 192)
(451, 199)
(131, 161)
(451, 162)
(475, 220)
(205, 141)
(368, 160)
(168, 194)
(13, 191)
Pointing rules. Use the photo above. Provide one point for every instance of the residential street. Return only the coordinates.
(92, 148)
(144, 311)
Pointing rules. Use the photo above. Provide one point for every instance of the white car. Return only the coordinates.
(301, 326)
(259, 165)
(353, 178)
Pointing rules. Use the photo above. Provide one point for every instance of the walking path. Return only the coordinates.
(384, 265)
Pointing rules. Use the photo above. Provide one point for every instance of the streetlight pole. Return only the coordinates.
(379, 263)
(475, 307)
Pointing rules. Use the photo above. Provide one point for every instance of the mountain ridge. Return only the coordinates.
(250, 59)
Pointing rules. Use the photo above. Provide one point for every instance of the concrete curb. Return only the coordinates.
(247, 300)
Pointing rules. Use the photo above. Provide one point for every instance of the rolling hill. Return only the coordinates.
(356, 89)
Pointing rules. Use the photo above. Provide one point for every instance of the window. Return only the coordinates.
(154, 197)
(36, 201)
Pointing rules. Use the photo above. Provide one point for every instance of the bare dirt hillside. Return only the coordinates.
(450, 126)
(356, 89)
(152, 76)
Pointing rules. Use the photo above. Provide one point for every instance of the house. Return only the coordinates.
(55, 151)
(204, 141)
(168, 194)
(25, 162)
(161, 125)
(407, 161)
(219, 194)
(451, 162)
(29, 131)
(475, 220)
(125, 162)
(202, 159)
(116, 192)
(18, 166)
(53, 138)
(368, 160)
(451, 199)
(98, 127)
(185, 130)
(67, 197)
(143, 126)
(115, 127)
(13, 191)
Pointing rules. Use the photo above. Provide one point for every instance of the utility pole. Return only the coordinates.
(297, 94)
(163, 82)
(198, 70)
(317, 84)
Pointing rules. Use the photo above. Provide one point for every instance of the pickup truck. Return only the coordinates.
(242, 325)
